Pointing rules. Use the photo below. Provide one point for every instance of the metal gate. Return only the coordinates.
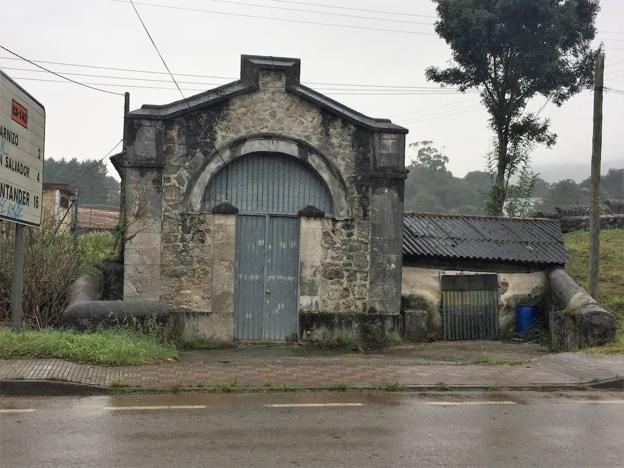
(267, 251)
(268, 189)
(470, 307)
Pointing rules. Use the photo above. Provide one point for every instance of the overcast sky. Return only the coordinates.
(86, 124)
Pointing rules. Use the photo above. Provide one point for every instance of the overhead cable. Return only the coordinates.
(86, 85)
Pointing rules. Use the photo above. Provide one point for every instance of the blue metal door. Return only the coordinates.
(266, 290)
(268, 189)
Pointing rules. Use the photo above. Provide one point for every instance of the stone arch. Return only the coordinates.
(271, 144)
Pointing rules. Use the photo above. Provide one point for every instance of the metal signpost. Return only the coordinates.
(22, 135)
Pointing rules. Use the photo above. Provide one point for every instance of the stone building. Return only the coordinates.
(264, 211)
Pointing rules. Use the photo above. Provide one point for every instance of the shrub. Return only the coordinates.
(96, 247)
(52, 262)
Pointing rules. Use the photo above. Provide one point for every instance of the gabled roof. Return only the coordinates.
(248, 82)
(483, 238)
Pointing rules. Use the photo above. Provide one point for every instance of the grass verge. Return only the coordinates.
(611, 278)
(114, 347)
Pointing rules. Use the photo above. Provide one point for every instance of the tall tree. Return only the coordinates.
(511, 51)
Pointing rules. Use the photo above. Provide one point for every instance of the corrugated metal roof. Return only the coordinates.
(516, 240)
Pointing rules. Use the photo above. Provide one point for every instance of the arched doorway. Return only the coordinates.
(268, 189)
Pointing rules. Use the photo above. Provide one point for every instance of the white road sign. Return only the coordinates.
(22, 131)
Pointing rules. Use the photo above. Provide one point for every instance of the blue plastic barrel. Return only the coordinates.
(525, 317)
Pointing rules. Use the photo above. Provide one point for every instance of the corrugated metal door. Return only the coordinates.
(269, 190)
(268, 183)
(266, 289)
(470, 307)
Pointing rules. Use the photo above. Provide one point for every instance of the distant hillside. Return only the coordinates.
(575, 171)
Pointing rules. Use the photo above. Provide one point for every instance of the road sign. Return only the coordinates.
(22, 132)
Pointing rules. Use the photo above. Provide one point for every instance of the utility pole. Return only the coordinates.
(18, 278)
(594, 208)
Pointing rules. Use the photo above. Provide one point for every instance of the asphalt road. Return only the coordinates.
(497, 429)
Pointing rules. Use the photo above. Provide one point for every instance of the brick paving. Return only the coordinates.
(550, 370)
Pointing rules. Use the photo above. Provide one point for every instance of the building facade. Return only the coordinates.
(59, 206)
(263, 210)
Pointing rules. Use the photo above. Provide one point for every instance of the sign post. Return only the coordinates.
(22, 136)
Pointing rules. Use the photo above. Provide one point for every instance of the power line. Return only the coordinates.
(158, 52)
(342, 86)
(317, 12)
(58, 74)
(80, 176)
(446, 113)
(271, 18)
(332, 91)
(542, 108)
(419, 112)
(96, 163)
(385, 12)
(105, 84)
(135, 70)
(131, 78)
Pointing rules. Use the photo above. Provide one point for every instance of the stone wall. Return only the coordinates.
(575, 318)
(422, 294)
(581, 223)
(350, 262)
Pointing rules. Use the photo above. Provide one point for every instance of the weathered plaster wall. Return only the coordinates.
(421, 291)
(519, 288)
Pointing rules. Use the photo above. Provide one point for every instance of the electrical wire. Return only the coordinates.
(324, 83)
(133, 70)
(439, 115)
(333, 92)
(368, 10)
(58, 74)
(80, 176)
(272, 18)
(131, 78)
(106, 84)
(158, 52)
(317, 12)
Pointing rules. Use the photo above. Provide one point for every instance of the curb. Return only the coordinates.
(64, 388)
(49, 388)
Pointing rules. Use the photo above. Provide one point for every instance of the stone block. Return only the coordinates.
(415, 325)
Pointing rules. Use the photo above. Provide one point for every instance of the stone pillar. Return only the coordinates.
(310, 255)
(223, 271)
(142, 256)
(386, 219)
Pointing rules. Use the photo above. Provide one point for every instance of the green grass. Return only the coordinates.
(611, 279)
(114, 347)
(225, 387)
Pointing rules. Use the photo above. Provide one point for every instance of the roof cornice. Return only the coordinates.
(251, 65)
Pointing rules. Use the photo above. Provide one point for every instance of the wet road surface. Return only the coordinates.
(497, 429)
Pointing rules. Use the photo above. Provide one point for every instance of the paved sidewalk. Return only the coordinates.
(555, 370)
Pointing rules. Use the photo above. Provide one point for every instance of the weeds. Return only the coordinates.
(285, 388)
(225, 387)
(339, 386)
(116, 383)
(442, 386)
(175, 388)
(327, 339)
(393, 387)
